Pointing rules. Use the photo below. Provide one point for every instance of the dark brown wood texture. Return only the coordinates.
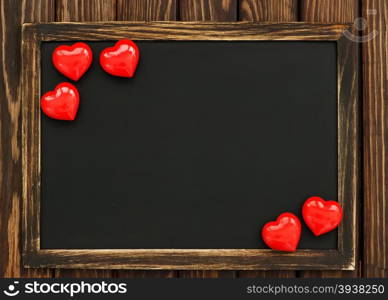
(329, 11)
(146, 10)
(12, 15)
(374, 87)
(170, 259)
(208, 10)
(85, 10)
(269, 10)
(375, 91)
(10, 143)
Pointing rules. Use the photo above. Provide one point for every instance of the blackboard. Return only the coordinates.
(223, 128)
(207, 143)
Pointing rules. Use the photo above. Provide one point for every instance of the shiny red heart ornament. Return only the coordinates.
(62, 103)
(121, 59)
(321, 216)
(73, 61)
(282, 234)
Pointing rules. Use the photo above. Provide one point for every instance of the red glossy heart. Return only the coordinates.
(121, 59)
(73, 61)
(282, 234)
(62, 103)
(321, 216)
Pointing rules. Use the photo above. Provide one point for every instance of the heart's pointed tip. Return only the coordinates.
(289, 250)
(129, 75)
(75, 78)
(73, 115)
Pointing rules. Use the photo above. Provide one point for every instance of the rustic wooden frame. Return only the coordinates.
(348, 112)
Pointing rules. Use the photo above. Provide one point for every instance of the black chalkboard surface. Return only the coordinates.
(209, 141)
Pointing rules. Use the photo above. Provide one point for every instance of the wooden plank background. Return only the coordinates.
(373, 248)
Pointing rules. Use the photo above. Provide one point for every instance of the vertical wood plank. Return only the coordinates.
(207, 274)
(132, 10)
(12, 15)
(207, 10)
(83, 11)
(329, 11)
(375, 92)
(38, 11)
(72, 273)
(10, 143)
(146, 10)
(268, 11)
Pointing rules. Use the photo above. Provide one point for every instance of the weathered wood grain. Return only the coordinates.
(375, 92)
(208, 10)
(81, 273)
(146, 10)
(268, 10)
(10, 145)
(85, 10)
(145, 274)
(37, 11)
(329, 11)
(175, 31)
(181, 259)
(12, 15)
